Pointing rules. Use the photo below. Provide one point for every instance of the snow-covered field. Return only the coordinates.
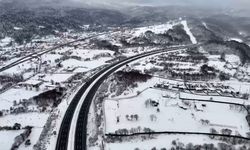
(243, 87)
(171, 116)
(7, 138)
(86, 65)
(155, 28)
(229, 66)
(34, 137)
(28, 119)
(36, 120)
(57, 77)
(50, 58)
(73, 63)
(90, 53)
(7, 98)
(161, 141)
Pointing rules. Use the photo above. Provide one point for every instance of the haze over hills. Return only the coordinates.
(65, 15)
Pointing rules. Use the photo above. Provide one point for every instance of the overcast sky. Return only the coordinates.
(198, 3)
(201, 3)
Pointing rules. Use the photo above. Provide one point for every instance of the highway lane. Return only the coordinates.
(63, 134)
(73, 131)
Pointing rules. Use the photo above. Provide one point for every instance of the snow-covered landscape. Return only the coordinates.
(128, 76)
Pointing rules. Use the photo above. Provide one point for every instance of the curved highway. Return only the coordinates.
(73, 131)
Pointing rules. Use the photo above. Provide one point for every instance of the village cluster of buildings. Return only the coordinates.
(47, 81)
(178, 65)
(212, 89)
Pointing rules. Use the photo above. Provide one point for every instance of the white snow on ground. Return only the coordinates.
(242, 87)
(57, 77)
(146, 66)
(112, 38)
(220, 65)
(86, 53)
(32, 119)
(5, 104)
(187, 29)
(233, 59)
(81, 70)
(137, 50)
(37, 120)
(238, 86)
(236, 39)
(18, 69)
(17, 28)
(8, 138)
(162, 141)
(72, 63)
(7, 98)
(50, 58)
(5, 41)
(205, 25)
(31, 82)
(9, 61)
(34, 137)
(217, 64)
(96, 58)
(162, 28)
(141, 63)
(63, 50)
(28, 75)
(171, 113)
(213, 98)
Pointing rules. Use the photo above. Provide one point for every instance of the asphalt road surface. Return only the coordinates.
(78, 140)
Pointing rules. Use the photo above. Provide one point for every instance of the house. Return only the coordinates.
(50, 87)
(31, 83)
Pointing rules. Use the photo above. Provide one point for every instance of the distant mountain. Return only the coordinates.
(22, 20)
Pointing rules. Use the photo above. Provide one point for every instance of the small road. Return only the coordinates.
(73, 131)
(40, 53)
